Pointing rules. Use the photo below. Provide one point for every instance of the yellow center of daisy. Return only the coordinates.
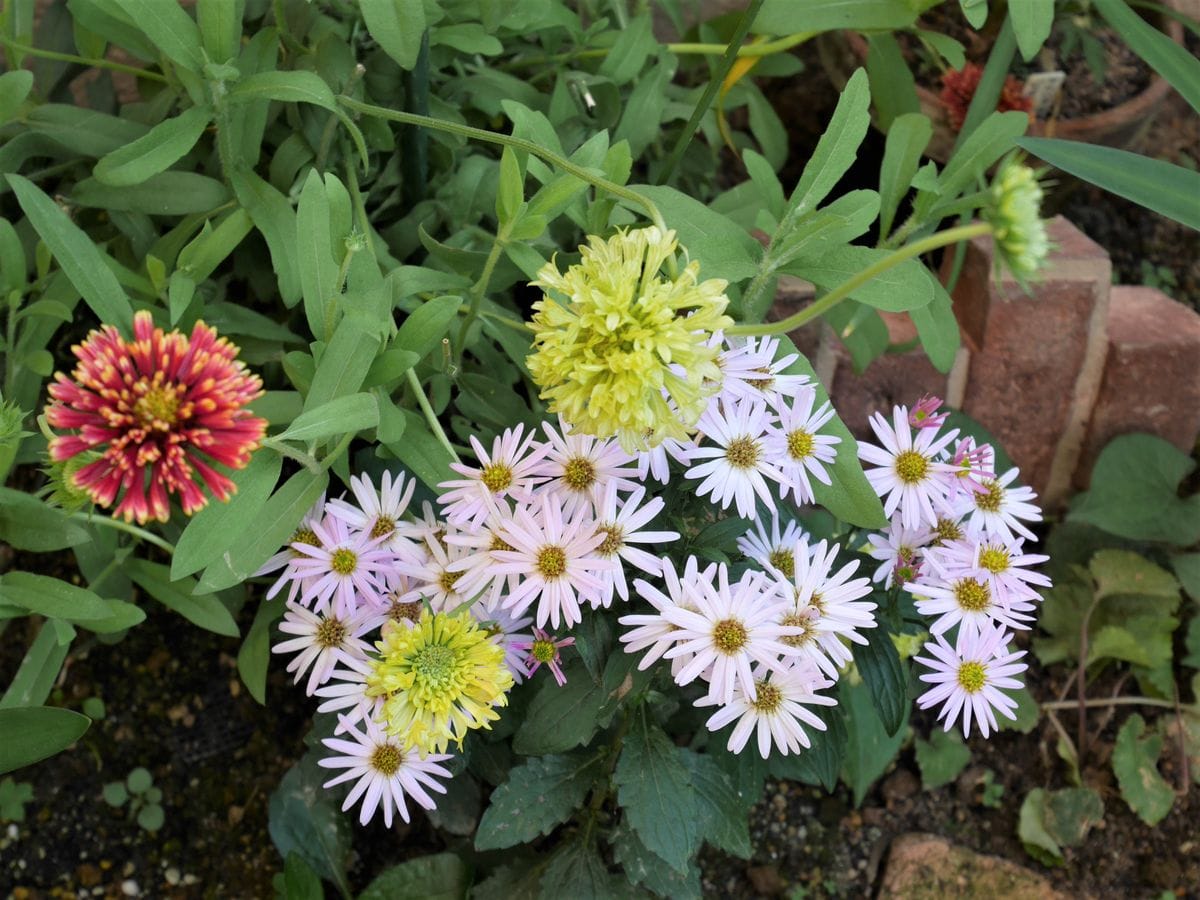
(304, 536)
(498, 543)
(579, 473)
(800, 444)
(911, 467)
(994, 559)
(383, 526)
(971, 677)
(543, 651)
(816, 602)
(730, 636)
(768, 698)
(330, 633)
(972, 595)
(742, 453)
(387, 759)
(797, 620)
(398, 611)
(157, 407)
(343, 561)
(784, 561)
(447, 580)
(947, 530)
(551, 562)
(990, 499)
(763, 384)
(614, 539)
(496, 477)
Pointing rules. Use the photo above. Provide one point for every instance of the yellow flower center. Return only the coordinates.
(990, 499)
(330, 633)
(304, 536)
(768, 698)
(614, 539)
(994, 559)
(383, 526)
(784, 561)
(398, 611)
(344, 561)
(579, 473)
(447, 581)
(543, 651)
(971, 676)
(496, 477)
(800, 444)
(797, 620)
(947, 530)
(911, 467)
(157, 407)
(387, 759)
(972, 595)
(498, 543)
(730, 636)
(551, 562)
(742, 453)
(433, 664)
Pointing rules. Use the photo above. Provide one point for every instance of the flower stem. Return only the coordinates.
(720, 71)
(1055, 705)
(769, 48)
(430, 416)
(128, 528)
(507, 140)
(12, 46)
(846, 288)
(479, 289)
(305, 459)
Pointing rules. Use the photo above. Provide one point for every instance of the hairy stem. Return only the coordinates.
(430, 416)
(128, 528)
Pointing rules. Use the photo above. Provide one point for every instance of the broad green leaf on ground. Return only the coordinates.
(942, 757)
(439, 876)
(32, 733)
(869, 749)
(644, 868)
(1134, 492)
(576, 871)
(538, 795)
(303, 818)
(884, 674)
(1135, 763)
(723, 822)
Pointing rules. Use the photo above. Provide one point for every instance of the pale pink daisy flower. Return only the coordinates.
(964, 601)
(968, 678)
(579, 467)
(733, 627)
(286, 558)
(772, 548)
(345, 693)
(908, 475)
(545, 650)
(439, 580)
(797, 447)
(508, 472)
(379, 513)
(424, 529)
(898, 551)
(751, 371)
(737, 468)
(970, 467)
(924, 413)
(477, 564)
(346, 570)
(999, 509)
(621, 525)
(776, 714)
(656, 462)
(385, 774)
(1002, 564)
(509, 632)
(556, 559)
(320, 642)
(652, 630)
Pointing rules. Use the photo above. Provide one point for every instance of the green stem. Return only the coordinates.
(11, 45)
(710, 92)
(479, 289)
(846, 288)
(305, 459)
(516, 143)
(1055, 705)
(335, 454)
(430, 416)
(118, 525)
(505, 320)
(770, 48)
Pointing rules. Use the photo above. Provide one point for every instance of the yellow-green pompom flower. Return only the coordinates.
(1014, 213)
(439, 679)
(621, 350)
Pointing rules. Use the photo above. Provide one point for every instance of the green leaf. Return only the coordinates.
(1187, 570)
(538, 795)
(169, 28)
(851, 497)
(440, 876)
(975, 12)
(303, 819)
(275, 219)
(38, 670)
(838, 147)
(1172, 61)
(422, 453)
(79, 258)
(27, 523)
(151, 817)
(139, 780)
(397, 25)
(165, 194)
(510, 192)
(992, 139)
(787, 17)
(941, 758)
(14, 89)
(220, 24)
(254, 656)
(121, 615)
(51, 597)
(1031, 21)
(723, 248)
(1134, 492)
(424, 327)
(723, 819)
(300, 882)
(1070, 813)
(903, 287)
(293, 86)
(937, 326)
(654, 791)
(1121, 572)
(216, 528)
(822, 763)
(560, 718)
(1031, 829)
(157, 150)
(343, 366)
(1135, 763)
(893, 87)
(115, 794)
(884, 675)
(576, 871)
(869, 750)
(345, 415)
(647, 869)
(906, 141)
(318, 268)
(204, 610)
(632, 49)
(1159, 186)
(32, 733)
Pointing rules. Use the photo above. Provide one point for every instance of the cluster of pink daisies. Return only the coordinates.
(956, 542)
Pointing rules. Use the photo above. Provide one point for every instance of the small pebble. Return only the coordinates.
(129, 888)
(173, 876)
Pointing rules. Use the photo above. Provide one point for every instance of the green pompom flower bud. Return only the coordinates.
(1014, 212)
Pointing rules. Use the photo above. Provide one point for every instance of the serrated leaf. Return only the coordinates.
(883, 672)
(643, 867)
(561, 718)
(537, 796)
(941, 758)
(439, 876)
(869, 749)
(577, 871)
(723, 820)
(1135, 763)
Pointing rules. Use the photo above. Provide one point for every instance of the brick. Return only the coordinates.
(1151, 374)
(1036, 359)
(927, 866)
